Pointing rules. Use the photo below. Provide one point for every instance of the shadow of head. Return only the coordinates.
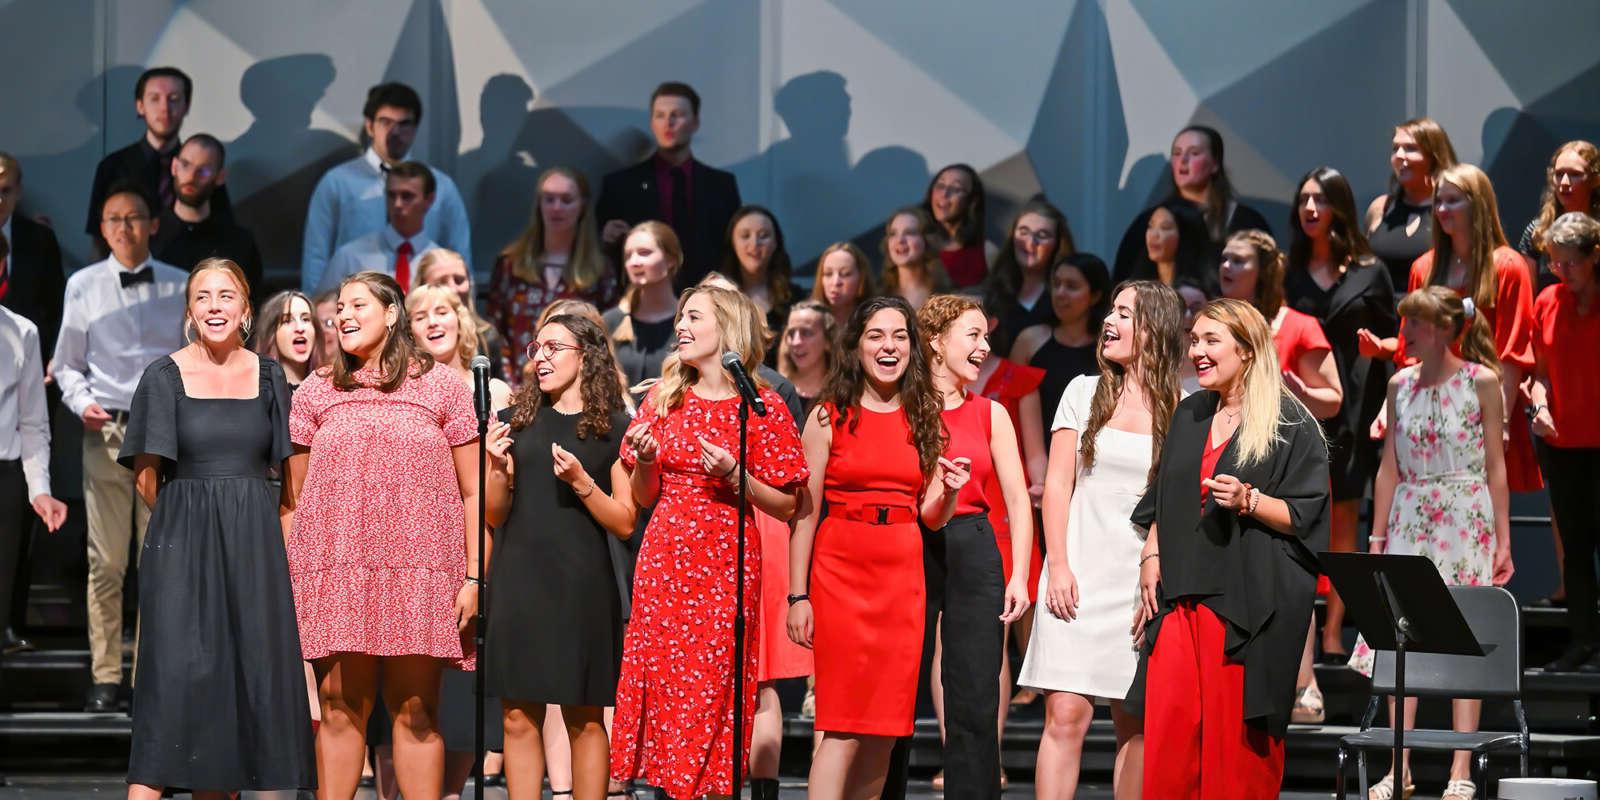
(814, 105)
(286, 88)
(504, 104)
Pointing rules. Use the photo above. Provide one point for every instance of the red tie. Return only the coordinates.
(402, 266)
(5, 276)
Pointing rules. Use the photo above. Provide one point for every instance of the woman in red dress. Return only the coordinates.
(383, 555)
(956, 201)
(674, 715)
(873, 438)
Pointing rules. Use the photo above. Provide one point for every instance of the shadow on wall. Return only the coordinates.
(814, 163)
(280, 94)
(520, 141)
(1518, 144)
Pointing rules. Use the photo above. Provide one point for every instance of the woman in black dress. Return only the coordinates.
(1400, 221)
(220, 703)
(1080, 296)
(556, 633)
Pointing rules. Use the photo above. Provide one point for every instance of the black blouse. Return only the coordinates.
(1260, 582)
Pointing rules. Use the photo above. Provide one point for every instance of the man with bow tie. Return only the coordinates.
(120, 314)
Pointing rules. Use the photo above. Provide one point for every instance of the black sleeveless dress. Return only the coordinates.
(220, 698)
(1398, 244)
(1060, 364)
(555, 627)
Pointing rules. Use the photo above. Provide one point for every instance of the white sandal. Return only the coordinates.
(1384, 790)
(1467, 790)
(1309, 708)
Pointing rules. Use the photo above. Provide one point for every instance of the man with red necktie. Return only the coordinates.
(408, 193)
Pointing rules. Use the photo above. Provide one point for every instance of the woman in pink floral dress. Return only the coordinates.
(1440, 491)
(383, 551)
(673, 726)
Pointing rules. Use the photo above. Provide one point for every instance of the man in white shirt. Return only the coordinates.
(24, 447)
(349, 199)
(408, 194)
(120, 314)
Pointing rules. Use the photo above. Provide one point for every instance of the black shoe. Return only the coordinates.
(14, 644)
(763, 789)
(1573, 659)
(1329, 659)
(1550, 602)
(102, 699)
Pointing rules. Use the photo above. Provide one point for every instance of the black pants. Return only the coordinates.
(16, 521)
(966, 585)
(1573, 476)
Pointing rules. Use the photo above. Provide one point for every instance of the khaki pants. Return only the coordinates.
(113, 513)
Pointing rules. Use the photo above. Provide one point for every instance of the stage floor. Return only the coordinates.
(58, 787)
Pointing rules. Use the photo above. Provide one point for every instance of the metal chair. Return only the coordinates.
(1496, 621)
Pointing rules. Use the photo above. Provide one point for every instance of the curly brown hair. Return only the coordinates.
(847, 381)
(599, 381)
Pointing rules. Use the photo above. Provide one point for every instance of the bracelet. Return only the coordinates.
(638, 459)
(1148, 557)
(795, 598)
(1377, 538)
(1254, 500)
(726, 475)
(474, 581)
(585, 495)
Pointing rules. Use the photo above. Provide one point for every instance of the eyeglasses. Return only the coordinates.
(128, 221)
(549, 349)
(1037, 237)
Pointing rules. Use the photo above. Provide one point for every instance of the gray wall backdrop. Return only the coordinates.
(832, 112)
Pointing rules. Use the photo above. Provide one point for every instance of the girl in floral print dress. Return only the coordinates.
(1440, 491)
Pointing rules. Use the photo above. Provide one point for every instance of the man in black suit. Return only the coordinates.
(31, 281)
(190, 230)
(161, 97)
(674, 187)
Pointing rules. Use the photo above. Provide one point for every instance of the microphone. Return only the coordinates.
(747, 388)
(480, 386)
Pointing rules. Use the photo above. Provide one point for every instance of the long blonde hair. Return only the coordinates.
(1486, 235)
(586, 266)
(1261, 419)
(741, 327)
(667, 242)
(425, 296)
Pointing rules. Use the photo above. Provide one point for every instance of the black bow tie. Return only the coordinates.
(136, 277)
(384, 167)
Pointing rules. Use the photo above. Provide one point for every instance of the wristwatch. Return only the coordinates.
(795, 598)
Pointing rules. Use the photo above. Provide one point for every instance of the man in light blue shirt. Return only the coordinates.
(349, 200)
(396, 247)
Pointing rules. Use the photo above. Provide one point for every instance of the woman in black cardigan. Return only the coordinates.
(1227, 575)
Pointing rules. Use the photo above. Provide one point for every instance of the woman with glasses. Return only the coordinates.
(1019, 283)
(557, 492)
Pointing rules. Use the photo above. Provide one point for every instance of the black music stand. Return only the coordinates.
(1400, 603)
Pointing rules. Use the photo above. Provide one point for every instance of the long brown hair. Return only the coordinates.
(938, 278)
(779, 270)
(1219, 192)
(1549, 206)
(847, 382)
(1486, 235)
(1442, 307)
(1434, 143)
(1347, 237)
(599, 381)
(400, 358)
(969, 228)
(273, 314)
(1158, 337)
(863, 268)
(1269, 271)
(1005, 275)
(586, 266)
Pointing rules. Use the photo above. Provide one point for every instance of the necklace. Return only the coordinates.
(1233, 415)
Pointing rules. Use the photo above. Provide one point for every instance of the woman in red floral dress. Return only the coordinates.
(383, 551)
(673, 726)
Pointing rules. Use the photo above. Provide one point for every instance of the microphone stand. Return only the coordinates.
(483, 599)
(738, 605)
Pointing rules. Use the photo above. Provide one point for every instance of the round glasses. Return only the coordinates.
(549, 349)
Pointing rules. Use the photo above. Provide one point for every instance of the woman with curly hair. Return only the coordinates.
(1572, 183)
(551, 526)
(873, 441)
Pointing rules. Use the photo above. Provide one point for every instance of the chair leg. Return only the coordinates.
(1361, 773)
(1338, 778)
(1482, 780)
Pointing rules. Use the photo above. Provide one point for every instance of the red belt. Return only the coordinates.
(873, 515)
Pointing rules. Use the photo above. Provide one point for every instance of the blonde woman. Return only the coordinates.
(443, 328)
(843, 280)
(1226, 580)
(674, 721)
(441, 267)
(558, 255)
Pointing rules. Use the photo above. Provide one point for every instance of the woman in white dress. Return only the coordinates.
(1107, 433)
